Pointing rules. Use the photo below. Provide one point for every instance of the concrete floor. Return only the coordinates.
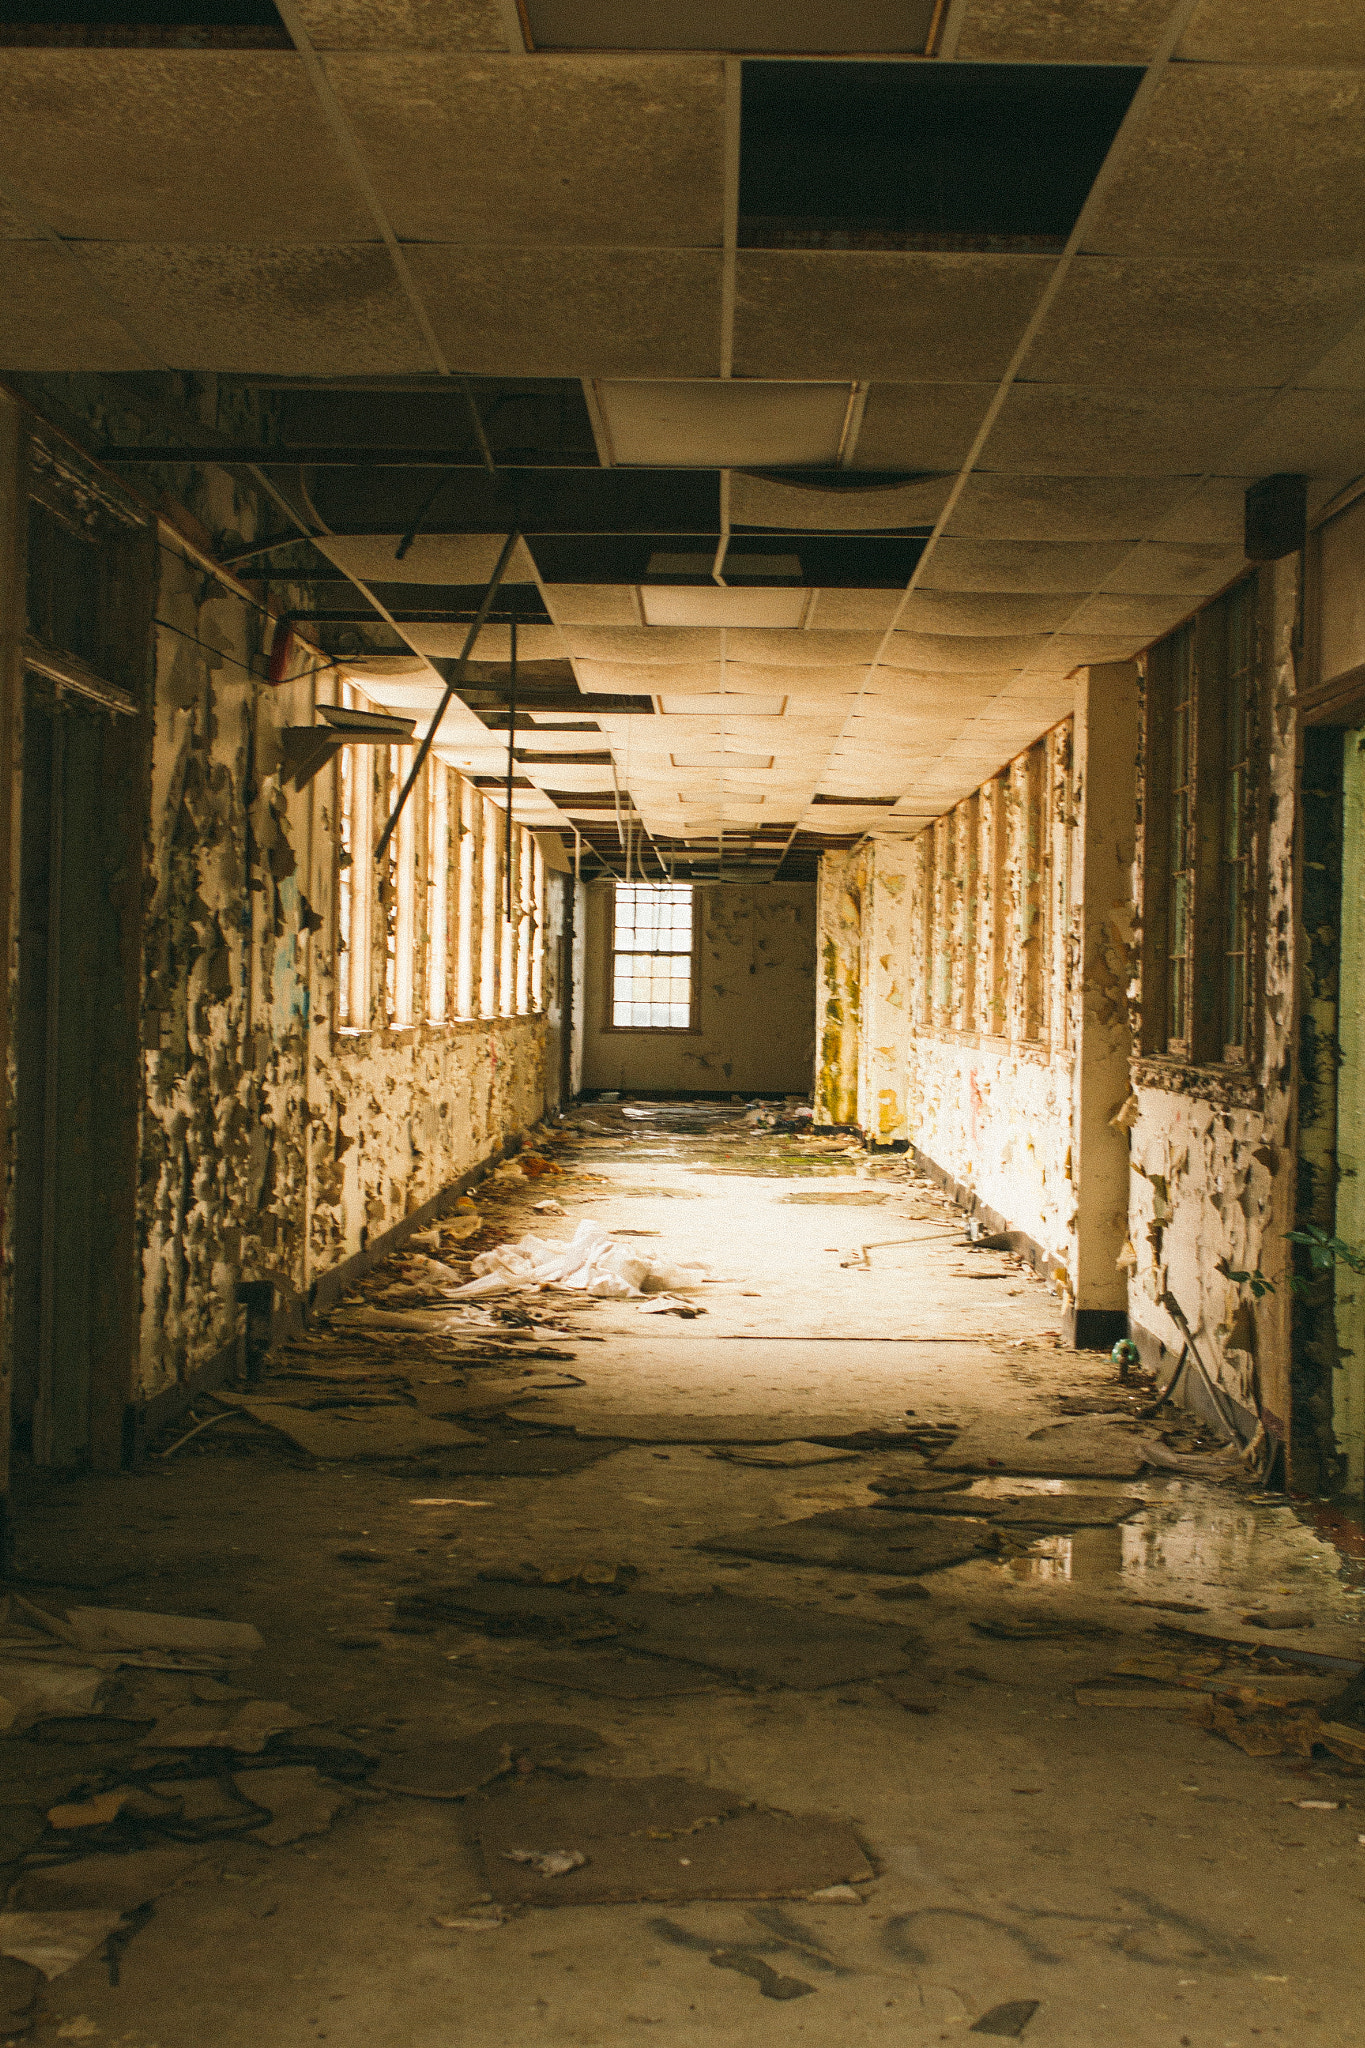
(1140, 1877)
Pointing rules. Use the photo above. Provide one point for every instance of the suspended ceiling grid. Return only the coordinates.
(1083, 421)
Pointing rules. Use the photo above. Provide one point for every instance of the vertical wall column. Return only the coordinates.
(838, 987)
(11, 768)
(884, 1072)
(1106, 743)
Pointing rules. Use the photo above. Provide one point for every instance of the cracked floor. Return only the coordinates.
(1039, 1839)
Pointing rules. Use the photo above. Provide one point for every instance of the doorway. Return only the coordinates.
(77, 1059)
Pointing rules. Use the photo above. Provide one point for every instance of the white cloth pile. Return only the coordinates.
(591, 1262)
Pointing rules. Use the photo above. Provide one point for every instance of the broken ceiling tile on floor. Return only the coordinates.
(459, 1768)
(296, 1798)
(856, 1540)
(118, 1884)
(389, 1432)
(655, 1838)
(1081, 1449)
(1025, 1510)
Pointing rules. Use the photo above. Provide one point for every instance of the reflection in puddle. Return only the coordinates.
(1180, 1543)
(1084, 1557)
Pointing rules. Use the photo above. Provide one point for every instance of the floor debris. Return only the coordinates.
(782, 1457)
(1079, 1449)
(655, 1838)
(55, 1942)
(858, 1540)
(394, 1431)
(1007, 2021)
(1024, 1510)
(752, 1642)
(295, 1797)
(457, 1769)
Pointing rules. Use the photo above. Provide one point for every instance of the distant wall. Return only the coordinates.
(756, 1001)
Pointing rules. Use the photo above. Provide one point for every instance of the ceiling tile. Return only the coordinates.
(696, 605)
(573, 312)
(461, 558)
(1191, 322)
(1189, 570)
(624, 678)
(1063, 508)
(854, 610)
(801, 680)
(1268, 32)
(1062, 31)
(52, 318)
(534, 643)
(591, 604)
(405, 24)
(978, 612)
(717, 705)
(1233, 158)
(1019, 565)
(712, 423)
(920, 426)
(811, 649)
(1317, 433)
(1060, 430)
(576, 151)
(961, 653)
(318, 312)
(882, 315)
(175, 146)
(643, 644)
(1342, 368)
(1074, 650)
(1113, 614)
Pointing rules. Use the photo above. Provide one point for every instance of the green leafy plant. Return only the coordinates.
(1257, 1281)
(1324, 1252)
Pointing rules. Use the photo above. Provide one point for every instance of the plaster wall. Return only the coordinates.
(755, 998)
(1212, 1149)
(274, 1144)
(839, 985)
(987, 952)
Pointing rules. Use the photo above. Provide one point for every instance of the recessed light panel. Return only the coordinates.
(725, 424)
(665, 606)
(795, 26)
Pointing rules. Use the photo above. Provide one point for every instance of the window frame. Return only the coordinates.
(693, 1027)
(1200, 974)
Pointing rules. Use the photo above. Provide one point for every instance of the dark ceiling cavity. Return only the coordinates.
(110, 23)
(827, 27)
(920, 156)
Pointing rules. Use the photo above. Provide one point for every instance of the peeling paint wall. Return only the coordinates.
(755, 997)
(1212, 1147)
(991, 987)
(839, 986)
(275, 1145)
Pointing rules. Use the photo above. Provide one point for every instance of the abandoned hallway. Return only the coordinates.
(682, 1060)
(674, 1597)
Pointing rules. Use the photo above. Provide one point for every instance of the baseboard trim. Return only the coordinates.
(991, 1220)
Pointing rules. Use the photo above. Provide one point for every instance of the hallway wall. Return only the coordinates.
(948, 980)
(756, 998)
(325, 1046)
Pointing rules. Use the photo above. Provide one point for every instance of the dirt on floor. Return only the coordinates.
(805, 1646)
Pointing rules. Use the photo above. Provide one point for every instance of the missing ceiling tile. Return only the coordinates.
(916, 156)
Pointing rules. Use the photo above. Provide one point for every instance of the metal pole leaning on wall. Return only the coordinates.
(479, 621)
(511, 756)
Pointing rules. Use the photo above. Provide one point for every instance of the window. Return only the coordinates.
(1201, 836)
(652, 945)
(355, 880)
(438, 891)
